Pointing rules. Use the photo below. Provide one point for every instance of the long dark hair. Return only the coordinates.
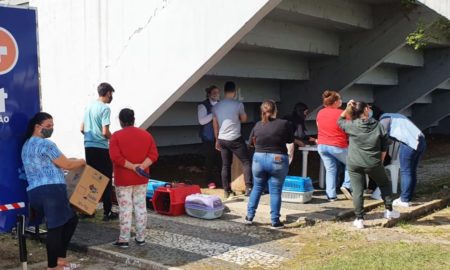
(298, 116)
(36, 120)
(358, 109)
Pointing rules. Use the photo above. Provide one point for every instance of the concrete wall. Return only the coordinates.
(440, 6)
(443, 128)
(150, 51)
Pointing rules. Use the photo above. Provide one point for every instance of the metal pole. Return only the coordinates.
(22, 241)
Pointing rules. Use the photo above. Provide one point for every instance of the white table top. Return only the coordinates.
(308, 148)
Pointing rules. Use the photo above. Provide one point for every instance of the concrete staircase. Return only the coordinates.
(161, 55)
(303, 47)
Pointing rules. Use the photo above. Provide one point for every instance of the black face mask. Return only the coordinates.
(110, 99)
(47, 132)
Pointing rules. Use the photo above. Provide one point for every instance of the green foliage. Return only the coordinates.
(417, 39)
(443, 26)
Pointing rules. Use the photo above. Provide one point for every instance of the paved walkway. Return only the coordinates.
(190, 243)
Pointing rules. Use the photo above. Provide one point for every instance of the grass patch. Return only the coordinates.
(404, 224)
(382, 256)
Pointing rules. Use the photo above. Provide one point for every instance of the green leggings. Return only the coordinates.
(358, 177)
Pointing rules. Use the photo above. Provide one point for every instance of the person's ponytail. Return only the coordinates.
(268, 110)
(357, 109)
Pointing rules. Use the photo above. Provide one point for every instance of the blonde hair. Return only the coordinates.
(330, 97)
(268, 110)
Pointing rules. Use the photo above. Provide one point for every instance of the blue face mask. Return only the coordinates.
(370, 114)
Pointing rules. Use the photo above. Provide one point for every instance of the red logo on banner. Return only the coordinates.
(9, 52)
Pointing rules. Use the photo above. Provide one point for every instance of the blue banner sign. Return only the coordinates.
(19, 101)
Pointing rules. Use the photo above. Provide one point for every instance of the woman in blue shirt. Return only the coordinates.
(47, 194)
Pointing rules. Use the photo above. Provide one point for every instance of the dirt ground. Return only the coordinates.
(189, 167)
(419, 244)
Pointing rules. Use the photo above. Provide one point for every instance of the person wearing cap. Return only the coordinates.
(132, 150)
(206, 132)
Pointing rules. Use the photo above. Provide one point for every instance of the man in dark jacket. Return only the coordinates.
(206, 133)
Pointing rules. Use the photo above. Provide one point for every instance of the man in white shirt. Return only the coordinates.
(204, 112)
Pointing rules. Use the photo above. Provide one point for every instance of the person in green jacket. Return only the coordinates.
(367, 149)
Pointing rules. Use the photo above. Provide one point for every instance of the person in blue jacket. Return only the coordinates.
(412, 146)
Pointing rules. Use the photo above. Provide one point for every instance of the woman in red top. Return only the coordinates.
(332, 143)
(131, 149)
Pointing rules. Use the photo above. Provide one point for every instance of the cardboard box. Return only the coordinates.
(237, 176)
(85, 187)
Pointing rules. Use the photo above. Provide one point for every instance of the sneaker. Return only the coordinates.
(121, 244)
(139, 243)
(110, 216)
(376, 194)
(388, 214)
(229, 194)
(277, 225)
(358, 223)
(399, 202)
(331, 199)
(248, 221)
(248, 190)
(347, 193)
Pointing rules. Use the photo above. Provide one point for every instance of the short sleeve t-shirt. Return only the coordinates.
(37, 157)
(329, 132)
(227, 113)
(96, 116)
(272, 137)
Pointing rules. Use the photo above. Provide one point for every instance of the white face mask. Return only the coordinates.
(370, 114)
(215, 97)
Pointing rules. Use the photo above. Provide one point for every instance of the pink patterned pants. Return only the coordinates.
(129, 197)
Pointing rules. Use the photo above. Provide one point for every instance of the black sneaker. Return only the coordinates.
(248, 190)
(110, 216)
(278, 225)
(248, 221)
(121, 244)
(139, 243)
(229, 194)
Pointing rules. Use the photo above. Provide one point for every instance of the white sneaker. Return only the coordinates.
(398, 202)
(391, 214)
(359, 223)
(376, 194)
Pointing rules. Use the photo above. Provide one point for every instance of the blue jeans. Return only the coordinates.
(331, 157)
(272, 169)
(409, 159)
